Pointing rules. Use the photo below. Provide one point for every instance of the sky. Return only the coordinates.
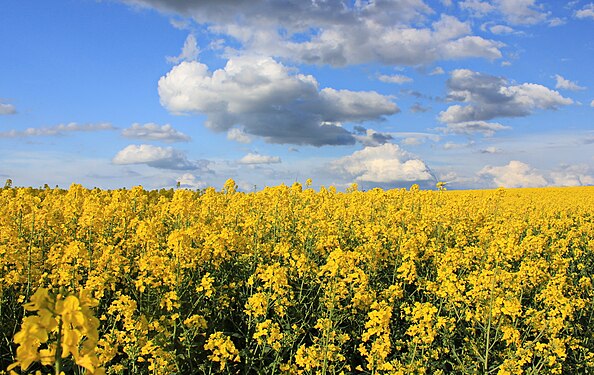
(382, 93)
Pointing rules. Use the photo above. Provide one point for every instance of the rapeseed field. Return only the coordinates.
(292, 280)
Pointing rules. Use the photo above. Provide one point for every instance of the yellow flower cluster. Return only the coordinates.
(222, 348)
(65, 325)
(292, 280)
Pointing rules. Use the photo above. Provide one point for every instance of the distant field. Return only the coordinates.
(296, 281)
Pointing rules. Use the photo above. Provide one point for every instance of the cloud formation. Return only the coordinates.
(573, 175)
(395, 78)
(7, 109)
(190, 181)
(336, 33)
(57, 130)
(473, 127)
(154, 132)
(385, 164)
(268, 100)
(238, 135)
(372, 138)
(255, 158)
(514, 175)
(489, 97)
(515, 12)
(586, 12)
(189, 52)
(566, 84)
(157, 157)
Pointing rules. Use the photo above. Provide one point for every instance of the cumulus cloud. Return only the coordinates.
(517, 12)
(473, 127)
(57, 130)
(586, 12)
(437, 71)
(189, 52)
(521, 12)
(157, 157)
(385, 164)
(395, 78)
(566, 84)
(514, 175)
(7, 109)
(573, 175)
(501, 29)
(190, 181)
(268, 100)
(336, 33)
(477, 7)
(238, 135)
(372, 138)
(255, 158)
(490, 97)
(154, 132)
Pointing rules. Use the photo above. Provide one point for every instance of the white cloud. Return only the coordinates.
(517, 12)
(238, 135)
(437, 71)
(154, 132)
(189, 52)
(592, 103)
(373, 138)
(490, 97)
(554, 22)
(566, 84)
(190, 181)
(573, 175)
(395, 78)
(501, 29)
(180, 24)
(254, 158)
(586, 12)
(477, 7)
(7, 109)
(455, 146)
(336, 33)
(157, 157)
(472, 127)
(269, 101)
(521, 12)
(491, 150)
(57, 130)
(385, 164)
(514, 175)
(472, 46)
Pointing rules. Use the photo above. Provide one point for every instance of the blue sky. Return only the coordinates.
(384, 93)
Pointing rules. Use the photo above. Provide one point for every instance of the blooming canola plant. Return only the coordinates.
(291, 280)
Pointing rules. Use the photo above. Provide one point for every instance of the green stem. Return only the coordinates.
(58, 357)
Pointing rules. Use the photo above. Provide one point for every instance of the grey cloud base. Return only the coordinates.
(387, 32)
(267, 100)
(487, 97)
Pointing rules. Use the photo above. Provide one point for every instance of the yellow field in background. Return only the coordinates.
(292, 280)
